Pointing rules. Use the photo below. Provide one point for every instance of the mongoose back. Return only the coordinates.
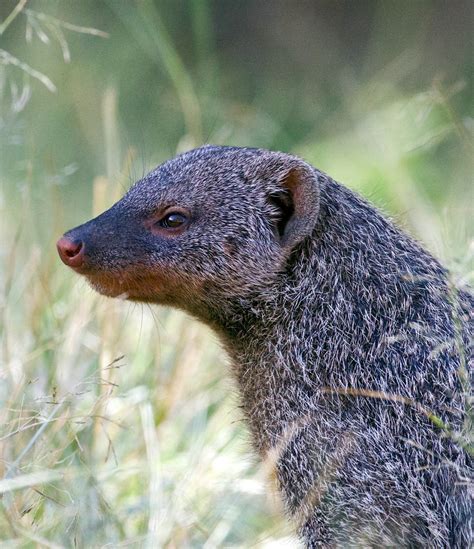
(346, 338)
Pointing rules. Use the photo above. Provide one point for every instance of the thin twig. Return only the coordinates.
(8, 59)
(435, 420)
(70, 26)
(16, 10)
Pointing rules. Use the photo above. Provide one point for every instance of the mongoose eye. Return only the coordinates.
(172, 220)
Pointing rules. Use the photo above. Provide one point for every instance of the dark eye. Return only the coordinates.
(172, 220)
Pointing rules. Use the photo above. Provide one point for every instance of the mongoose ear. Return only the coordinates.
(293, 196)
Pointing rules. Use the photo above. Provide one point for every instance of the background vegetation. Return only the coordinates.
(119, 424)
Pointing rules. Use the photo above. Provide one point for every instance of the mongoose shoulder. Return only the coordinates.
(349, 344)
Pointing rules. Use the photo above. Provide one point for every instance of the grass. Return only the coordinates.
(119, 424)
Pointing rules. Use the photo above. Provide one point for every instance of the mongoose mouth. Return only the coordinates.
(109, 286)
(132, 285)
(122, 285)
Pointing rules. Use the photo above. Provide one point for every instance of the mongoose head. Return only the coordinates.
(212, 225)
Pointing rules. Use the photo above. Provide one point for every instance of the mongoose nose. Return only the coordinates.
(71, 252)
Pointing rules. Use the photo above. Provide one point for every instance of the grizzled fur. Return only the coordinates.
(345, 336)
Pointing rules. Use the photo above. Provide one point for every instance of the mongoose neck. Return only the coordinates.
(341, 305)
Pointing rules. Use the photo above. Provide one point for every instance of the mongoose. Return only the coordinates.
(348, 342)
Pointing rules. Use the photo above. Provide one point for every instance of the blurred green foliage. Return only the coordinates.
(147, 449)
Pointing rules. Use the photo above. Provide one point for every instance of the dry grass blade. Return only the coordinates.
(31, 479)
(8, 59)
(64, 24)
(9, 19)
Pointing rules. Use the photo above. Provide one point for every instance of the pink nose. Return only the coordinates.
(71, 252)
